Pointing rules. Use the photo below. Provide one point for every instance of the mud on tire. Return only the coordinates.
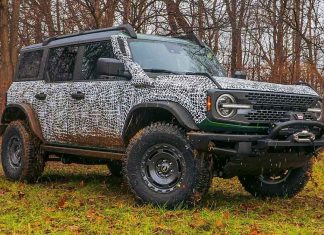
(20, 154)
(161, 167)
(287, 186)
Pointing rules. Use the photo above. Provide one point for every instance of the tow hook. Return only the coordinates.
(304, 137)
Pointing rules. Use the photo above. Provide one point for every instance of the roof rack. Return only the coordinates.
(125, 27)
(192, 37)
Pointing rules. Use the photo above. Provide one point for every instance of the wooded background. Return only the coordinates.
(278, 41)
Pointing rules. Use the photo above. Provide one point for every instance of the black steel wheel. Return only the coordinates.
(275, 178)
(161, 167)
(15, 151)
(282, 184)
(20, 154)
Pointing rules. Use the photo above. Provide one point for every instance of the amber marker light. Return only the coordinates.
(209, 103)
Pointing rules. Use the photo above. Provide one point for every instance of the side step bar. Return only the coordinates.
(83, 152)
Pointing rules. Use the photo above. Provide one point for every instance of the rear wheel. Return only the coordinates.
(20, 154)
(286, 183)
(161, 167)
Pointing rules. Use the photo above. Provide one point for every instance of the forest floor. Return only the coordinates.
(76, 199)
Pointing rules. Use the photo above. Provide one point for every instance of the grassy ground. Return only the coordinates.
(75, 199)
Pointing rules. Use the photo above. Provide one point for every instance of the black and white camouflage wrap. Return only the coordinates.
(103, 112)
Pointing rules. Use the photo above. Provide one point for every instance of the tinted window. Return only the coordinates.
(60, 64)
(92, 53)
(29, 65)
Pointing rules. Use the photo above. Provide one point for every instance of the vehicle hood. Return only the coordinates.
(239, 84)
(190, 82)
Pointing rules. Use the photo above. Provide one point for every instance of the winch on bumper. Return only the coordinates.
(288, 145)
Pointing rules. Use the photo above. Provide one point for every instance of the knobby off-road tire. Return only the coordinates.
(287, 185)
(115, 168)
(20, 154)
(161, 167)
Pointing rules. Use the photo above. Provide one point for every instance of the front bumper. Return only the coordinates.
(254, 154)
(203, 141)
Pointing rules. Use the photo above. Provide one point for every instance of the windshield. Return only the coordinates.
(159, 56)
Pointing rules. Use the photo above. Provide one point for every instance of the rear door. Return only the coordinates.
(28, 86)
(59, 72)
(94, 115)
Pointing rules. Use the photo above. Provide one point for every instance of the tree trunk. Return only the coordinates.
(126, 13)
(200, 18)
(14, 33)
(6, 67)
(171, 17)
(235, 13)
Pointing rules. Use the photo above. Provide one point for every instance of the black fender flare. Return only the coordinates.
(182, 115)
(31, 118)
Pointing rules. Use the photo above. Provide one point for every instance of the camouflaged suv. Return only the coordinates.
(160, 112)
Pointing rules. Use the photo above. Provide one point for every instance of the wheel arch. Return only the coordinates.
(144, 114)
(22, 112)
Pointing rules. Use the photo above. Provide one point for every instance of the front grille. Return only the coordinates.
(286, 102)
(274, 107)
(267, 116)
(273, 116)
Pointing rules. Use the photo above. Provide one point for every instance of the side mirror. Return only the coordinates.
(111, 67)
(240, 75)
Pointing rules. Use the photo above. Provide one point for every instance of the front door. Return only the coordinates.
(94, 115)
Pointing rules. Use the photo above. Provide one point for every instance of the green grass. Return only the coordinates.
(76, 199)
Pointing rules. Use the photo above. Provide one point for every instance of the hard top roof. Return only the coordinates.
(102, 34)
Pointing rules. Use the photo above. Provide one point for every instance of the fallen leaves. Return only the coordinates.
(62, 202)
(73, 202)
(219, 224)
(255, 230)
(21, 195)
(94, 215)
(2, 192)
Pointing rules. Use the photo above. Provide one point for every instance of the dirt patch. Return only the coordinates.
(97, 140)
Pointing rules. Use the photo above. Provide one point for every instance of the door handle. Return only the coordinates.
(78, 96)
(41, 96)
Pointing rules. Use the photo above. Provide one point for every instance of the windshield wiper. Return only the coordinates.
(206, 74)
(161, 71)
(199, 73)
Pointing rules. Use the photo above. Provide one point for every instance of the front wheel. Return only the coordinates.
(161, 168)
(283, 184)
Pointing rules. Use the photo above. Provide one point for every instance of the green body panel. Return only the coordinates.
(210, 126)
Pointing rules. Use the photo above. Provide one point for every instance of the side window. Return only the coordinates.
(92, 52)
(60, 64)
(29, 65)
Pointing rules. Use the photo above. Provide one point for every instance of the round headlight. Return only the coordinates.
(225, 112)
(319, 106)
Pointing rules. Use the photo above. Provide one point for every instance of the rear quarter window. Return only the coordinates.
(29, 65)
